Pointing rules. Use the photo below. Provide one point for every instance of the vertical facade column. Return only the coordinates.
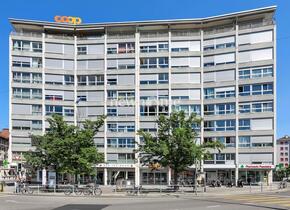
(169, 93)
(43, 83)
(169, 73)
(105, 108)
(275, 99)
(44, 177)
(76, 113)
(237, 104)
(137, 105)
(10, 103)
(201, 97)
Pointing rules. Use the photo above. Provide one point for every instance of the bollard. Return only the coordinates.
(261, 187)
(38, 190)
(1, 187)
(250, 187)
(54, 189)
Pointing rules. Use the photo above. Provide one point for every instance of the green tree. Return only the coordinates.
(66, 148)
(175, 144)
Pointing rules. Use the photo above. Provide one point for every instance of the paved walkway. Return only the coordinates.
(110, 191)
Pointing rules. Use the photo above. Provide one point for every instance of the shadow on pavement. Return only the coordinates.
(81, 207)
(245, 204)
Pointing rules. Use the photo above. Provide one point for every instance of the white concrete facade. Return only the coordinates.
(223, 68)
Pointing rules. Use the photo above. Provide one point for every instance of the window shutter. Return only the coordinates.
(261, 124)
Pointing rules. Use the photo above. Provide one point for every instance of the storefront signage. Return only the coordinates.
(112, 165)
(255, 166)
(68, 19)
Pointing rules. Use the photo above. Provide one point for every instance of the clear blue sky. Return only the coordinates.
(125, 10)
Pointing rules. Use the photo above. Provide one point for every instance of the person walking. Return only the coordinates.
(17, 184)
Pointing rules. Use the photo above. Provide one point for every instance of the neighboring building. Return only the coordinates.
(283, 150)
(4, 143)
(223, 68)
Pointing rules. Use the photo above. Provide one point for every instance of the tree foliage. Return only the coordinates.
(66, 148)
(281, 173)
(175, 144)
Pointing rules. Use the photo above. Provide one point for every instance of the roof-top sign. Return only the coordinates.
(68, 19)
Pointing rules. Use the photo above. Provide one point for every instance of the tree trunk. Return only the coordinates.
(175, 180)
(195, 178)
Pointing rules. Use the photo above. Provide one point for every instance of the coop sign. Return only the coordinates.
(68, 19)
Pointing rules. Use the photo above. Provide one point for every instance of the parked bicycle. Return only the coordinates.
(94, 190)
(25, 189)
(74, 189)
(216, 183)
(282, 185)
(86, 190)
(134, 191)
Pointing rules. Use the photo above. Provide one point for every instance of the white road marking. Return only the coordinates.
(215, 206)
(11, 201)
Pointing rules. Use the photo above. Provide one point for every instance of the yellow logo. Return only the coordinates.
(68, 19)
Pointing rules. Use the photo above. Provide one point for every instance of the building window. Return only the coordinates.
(27, 46)
(36, 110)
(82, 50)
(257, 89)
(153, 47)
(90, 80)
(68, 112)
(163, 78)
(153, 110)
(68, 79)
(256, 72)
(112, 81)
(255, 107)
(36, 125)
(219, 109)
(146, 63)
(244, 141)
(121, 142)
(188, 109)
(112, 111)
(219, 125)
(244, 124)
(210, 93)
(119, 127)
(245, 90)
(49, 110)
(227, 141)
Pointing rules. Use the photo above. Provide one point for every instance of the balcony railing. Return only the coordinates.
(256, 24)
(153, 34)
(59, 36)
(185, 33)
(221, 29)
(26, 34)
(121, 36)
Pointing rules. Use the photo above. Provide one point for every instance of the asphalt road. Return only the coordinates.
(232, 202)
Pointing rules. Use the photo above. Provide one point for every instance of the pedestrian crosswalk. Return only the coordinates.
(261, 199)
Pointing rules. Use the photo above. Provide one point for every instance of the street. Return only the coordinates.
(186, 202)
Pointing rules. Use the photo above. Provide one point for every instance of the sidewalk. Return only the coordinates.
(109, 191)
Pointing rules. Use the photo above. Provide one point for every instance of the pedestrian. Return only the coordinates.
(249, 180)
(17, 184)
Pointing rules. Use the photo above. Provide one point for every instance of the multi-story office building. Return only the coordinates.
(222, 68)
(283, 151)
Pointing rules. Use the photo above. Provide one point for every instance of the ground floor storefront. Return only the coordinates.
(131, 175)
